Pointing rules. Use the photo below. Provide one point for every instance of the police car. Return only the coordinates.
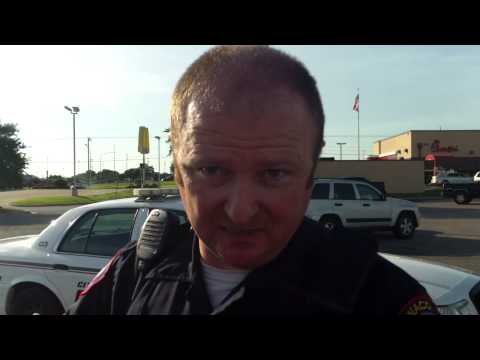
(359, 204)
(45, 273)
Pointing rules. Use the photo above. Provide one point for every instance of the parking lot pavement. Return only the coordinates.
(449, 234)
(16, 223)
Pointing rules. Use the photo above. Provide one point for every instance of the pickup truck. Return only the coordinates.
(451, 178)
(462, 193)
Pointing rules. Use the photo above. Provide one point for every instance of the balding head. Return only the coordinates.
(225, 75)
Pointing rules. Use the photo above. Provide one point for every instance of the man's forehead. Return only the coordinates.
(253, 106)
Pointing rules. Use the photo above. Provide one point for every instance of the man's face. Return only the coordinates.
(245, 171)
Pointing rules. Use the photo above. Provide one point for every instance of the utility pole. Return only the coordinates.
(74, 111)
(114, 158)
(88, 159)
(340, 144)
(158, 138)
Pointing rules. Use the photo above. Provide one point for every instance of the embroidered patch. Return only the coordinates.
(419, 305)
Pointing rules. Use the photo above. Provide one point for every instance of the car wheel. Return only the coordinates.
(35, 300)
(461, 198)
(405, 226)
(329, 224)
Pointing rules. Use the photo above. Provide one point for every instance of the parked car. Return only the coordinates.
(455, 291)
(451, 178)
(45, 273)
(379, 185)
(461, 193)
(359, 205)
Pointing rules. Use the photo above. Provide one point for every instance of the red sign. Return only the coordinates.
(435, 148)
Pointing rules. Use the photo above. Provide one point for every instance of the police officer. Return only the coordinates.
(247, 129)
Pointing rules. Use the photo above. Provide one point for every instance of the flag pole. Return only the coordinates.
(358, 125)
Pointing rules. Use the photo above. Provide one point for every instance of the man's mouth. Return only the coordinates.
(241, 232)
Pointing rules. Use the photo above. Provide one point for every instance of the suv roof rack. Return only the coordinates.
(155, 194)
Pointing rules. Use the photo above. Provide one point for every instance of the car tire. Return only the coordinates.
(330, 224)
(461, 198)
(405, 226)
(35, 300)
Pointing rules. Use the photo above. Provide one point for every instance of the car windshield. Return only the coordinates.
(83, 124)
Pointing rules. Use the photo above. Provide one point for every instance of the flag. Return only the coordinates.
(356, 104)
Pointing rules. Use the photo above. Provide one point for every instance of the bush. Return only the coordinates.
(60, 184)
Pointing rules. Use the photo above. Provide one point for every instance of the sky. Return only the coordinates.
(120, 88)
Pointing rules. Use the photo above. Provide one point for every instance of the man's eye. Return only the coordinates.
(276, 174)
(211, 171)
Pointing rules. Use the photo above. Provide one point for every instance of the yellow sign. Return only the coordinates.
(143, 140)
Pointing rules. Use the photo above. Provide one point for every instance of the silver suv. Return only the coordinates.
(358, 204)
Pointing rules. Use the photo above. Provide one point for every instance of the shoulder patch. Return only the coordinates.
(103, 272)
(420, 305)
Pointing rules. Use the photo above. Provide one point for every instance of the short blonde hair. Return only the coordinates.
(236, 69)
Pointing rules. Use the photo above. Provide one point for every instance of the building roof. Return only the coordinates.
(426, 131)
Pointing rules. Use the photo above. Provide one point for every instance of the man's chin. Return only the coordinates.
(244, 259)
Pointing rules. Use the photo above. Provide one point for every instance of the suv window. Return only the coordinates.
(100, 233)
(343, 192)
(367, 193)
(321, 191)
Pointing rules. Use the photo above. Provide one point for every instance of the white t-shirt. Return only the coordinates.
(220, 282)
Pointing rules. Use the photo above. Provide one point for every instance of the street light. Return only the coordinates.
(341, 144)
(74, 111)
(88, 158)
(158, 138)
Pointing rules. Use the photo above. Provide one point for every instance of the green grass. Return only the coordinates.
(122, 185)
(168, 184)
(72, 200)
(109, 186)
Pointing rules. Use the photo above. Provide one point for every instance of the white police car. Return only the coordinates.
(45, 273)
(358, 204)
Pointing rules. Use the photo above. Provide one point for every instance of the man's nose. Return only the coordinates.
(241, 205)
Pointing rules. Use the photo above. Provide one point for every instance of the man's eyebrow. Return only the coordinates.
(201, 131)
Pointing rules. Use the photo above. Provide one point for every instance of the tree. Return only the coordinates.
(106, 176)
(87, 176)
(57, 181)
(169, 141)
(12, 160)
(135, 175)
(131, 174)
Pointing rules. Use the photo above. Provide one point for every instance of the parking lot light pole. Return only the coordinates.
(88, 158)
(158, 138)
(74, 111)
(341, 144)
